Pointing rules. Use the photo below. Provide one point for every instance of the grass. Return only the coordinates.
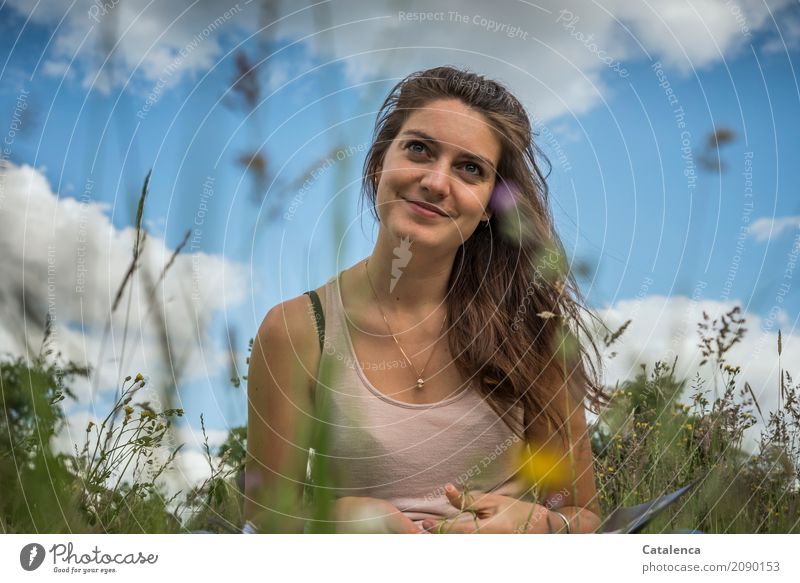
(646, 442)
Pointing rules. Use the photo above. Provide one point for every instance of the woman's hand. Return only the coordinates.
(362, 515)
(489, 513)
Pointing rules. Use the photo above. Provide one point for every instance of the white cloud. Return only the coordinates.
(154, 39)
(695, 34)
(557, 65)
(552, 62)
(65, 258)
(787, 38)
(663, 328)
(58, 69)
(766, 228)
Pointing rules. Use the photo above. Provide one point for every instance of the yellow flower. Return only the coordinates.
(139, 377)
(545, 468)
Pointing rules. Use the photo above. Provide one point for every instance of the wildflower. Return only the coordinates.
(139, 377)
(732, 369)
(503, 199)
(545, 468)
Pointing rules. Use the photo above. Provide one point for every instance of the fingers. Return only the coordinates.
(461, 500)
(437, 526)
(460, 525)
(473, 500)
(455, 497)
(402, 524)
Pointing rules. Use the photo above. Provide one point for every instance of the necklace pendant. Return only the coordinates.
(420, 382)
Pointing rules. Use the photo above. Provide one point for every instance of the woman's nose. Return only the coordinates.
(436, 179)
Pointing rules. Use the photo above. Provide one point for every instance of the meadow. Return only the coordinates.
(657, 433)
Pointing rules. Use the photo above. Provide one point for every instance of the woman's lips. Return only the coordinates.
(423, 210)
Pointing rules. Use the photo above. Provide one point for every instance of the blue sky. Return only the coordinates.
(622, 201)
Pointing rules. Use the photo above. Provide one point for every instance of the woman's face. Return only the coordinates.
(444, 156)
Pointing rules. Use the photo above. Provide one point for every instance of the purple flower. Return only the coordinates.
(503, 197)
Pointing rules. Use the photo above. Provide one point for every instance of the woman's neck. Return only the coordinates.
(408, 281)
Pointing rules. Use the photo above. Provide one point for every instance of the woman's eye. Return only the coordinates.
(473, 168)
(414, 145)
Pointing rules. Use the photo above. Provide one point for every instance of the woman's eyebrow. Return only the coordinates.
(428, 138)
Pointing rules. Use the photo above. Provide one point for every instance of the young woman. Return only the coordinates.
(448, 355)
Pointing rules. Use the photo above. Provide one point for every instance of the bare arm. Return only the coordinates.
(578, 501)
(280, 381)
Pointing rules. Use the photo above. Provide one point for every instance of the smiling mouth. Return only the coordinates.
(427, 206)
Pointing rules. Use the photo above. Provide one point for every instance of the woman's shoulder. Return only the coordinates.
(288, 334)
(293, 320)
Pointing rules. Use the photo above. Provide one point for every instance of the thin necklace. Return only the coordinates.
(420, 380)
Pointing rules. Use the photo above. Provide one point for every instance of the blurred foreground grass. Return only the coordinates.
(653, 437)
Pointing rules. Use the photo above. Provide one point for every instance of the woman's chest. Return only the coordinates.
(395, 371)
(387, 450)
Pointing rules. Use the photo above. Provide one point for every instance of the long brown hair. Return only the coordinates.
(513, 304)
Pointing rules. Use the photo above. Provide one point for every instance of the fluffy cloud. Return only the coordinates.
(557, 59)
(64, 258)
(104, 42)
(764, 229)
(692, 35)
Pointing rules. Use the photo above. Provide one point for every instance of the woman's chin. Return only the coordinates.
(419, 234)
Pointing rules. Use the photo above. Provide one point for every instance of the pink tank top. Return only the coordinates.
(405, 453)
